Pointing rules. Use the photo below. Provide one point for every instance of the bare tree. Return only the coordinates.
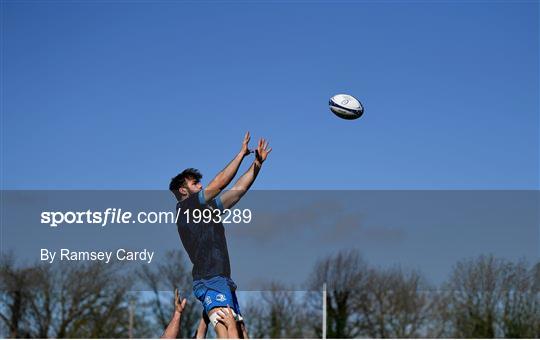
(520, 304)
(344, 275)
(278, 312)
(490, 297)
(67, 301)
(363, 301)
(393, 304)
(535, 272)
(15, 288)
(440, 322)
(255, 315)
(161, 280)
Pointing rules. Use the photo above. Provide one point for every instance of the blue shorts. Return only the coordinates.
(218, 291)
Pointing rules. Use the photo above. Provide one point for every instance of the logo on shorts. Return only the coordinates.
(208, 300)
(221, 297)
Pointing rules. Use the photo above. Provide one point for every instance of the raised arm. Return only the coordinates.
(225, 176)
(231, 197)
(173, 328)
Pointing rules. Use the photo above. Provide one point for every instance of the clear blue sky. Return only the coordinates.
(122, 95)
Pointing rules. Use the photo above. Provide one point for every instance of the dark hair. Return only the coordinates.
(179, 180)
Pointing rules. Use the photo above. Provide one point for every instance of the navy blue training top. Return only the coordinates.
(205, 243)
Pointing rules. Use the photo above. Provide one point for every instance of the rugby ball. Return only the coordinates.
(346, 106)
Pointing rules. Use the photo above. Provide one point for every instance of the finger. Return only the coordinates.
(269, 150)
(183, 303)
(176, 294)
(220, 313)
(247, 137)
(265, 144)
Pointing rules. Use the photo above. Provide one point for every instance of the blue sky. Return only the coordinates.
(122, 95)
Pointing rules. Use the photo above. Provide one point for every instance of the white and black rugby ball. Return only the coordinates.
(346, 106)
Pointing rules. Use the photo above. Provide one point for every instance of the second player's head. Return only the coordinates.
(186, 183)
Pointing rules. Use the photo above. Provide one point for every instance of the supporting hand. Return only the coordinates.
(178, 305)
(226, 317)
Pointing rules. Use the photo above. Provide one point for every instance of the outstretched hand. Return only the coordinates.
(173, 328)
(262, 150)
(245, 145)
(178, 305)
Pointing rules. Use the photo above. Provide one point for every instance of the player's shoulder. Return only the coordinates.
(195, 199)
